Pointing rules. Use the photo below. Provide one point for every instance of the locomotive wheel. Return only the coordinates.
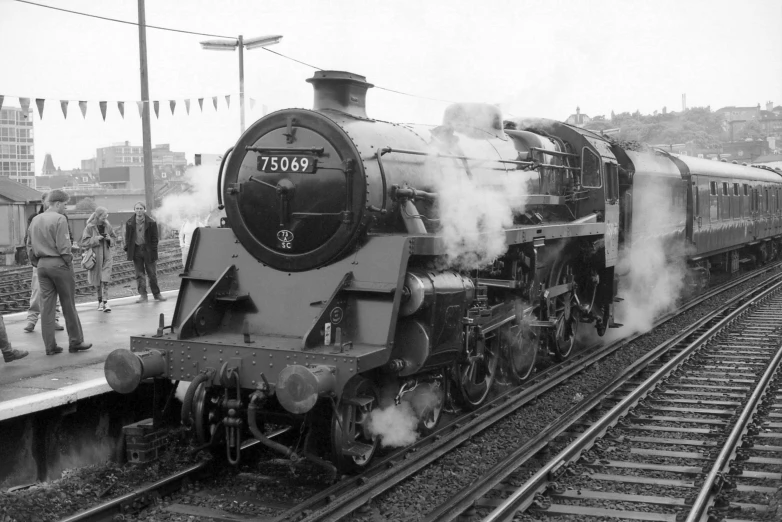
(206, 414)
(475, 376)
(566, 314)
(352, 445)
(519, 353)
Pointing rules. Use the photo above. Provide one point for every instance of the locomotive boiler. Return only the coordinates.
(332, 290)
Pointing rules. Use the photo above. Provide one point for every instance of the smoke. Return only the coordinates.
(198, 201)
(652, 267)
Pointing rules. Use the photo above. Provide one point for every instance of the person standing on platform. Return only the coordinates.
(186, 235)
(9, 354)
(49, 249)
(100, 237)
(141, 239)
(35, 304)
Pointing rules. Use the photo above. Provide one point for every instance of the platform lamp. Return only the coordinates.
(231, 44)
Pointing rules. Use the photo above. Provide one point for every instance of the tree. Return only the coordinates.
(752, 130)
(86, 205)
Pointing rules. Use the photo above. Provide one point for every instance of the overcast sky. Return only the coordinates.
(539, 58)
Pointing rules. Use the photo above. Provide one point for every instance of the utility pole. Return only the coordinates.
(149, 182)
(241, 82)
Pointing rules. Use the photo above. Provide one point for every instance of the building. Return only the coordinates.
(737, 117)
(126, 178)
(17, 203)
(578, 119)
(166, 161)
(17, 155)
(118, 155)
(90, 165)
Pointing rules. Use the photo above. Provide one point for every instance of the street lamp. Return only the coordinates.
(241, 44)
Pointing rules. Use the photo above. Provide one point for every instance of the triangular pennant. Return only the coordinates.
(102, 105)
(156, 105)
(201, 104)
(140, 109)
(228, 101)
(64, 107)
(214, 101)
(252, 103)
(187, 106)
(39, 102)
(83, 107)
(121, 107)
(172, 104)
(25, 103)
(1, 101)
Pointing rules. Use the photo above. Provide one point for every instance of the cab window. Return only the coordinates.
(590, 169)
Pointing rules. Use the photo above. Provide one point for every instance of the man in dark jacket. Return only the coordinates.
(141, 239)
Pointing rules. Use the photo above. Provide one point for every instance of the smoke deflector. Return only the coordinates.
(341, 91)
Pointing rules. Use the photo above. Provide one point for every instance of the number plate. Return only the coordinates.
(287, 164)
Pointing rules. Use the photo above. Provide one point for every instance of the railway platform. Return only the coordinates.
(40, 382)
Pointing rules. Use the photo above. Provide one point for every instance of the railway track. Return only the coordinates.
(353, 493)
(693, 432)
(15, 282)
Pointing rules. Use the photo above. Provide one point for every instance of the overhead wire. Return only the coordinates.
(183, 31)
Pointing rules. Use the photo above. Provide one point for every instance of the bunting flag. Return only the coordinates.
(41, 102)
(252, 103)
(25, 103)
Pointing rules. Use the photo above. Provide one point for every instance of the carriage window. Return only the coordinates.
(735, 189)
(768, 206)
(713, 188)
(746, 189)
(724, 189)
(590, 169)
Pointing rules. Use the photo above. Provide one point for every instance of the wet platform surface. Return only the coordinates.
(41, 381)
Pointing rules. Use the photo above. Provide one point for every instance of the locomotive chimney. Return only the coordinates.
(340, 91)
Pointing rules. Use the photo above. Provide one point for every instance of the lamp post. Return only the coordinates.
(241, 44)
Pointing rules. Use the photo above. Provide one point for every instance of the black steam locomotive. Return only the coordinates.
(339, 285)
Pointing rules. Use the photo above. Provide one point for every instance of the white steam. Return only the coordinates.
(198, 201)
(397, 424)
(652, 267)
(474, 213)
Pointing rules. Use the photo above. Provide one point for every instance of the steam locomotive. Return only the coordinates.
(331, 290)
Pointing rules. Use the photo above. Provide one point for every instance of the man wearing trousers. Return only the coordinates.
(49, 249)
(35, 304)
(141, 239)
(9, 354)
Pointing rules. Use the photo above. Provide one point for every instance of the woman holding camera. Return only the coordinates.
(99, 237)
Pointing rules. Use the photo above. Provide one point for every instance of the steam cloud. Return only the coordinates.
(397, 425)
(198, 202)
(652, 269)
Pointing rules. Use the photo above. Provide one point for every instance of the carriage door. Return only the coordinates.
(697, 227)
